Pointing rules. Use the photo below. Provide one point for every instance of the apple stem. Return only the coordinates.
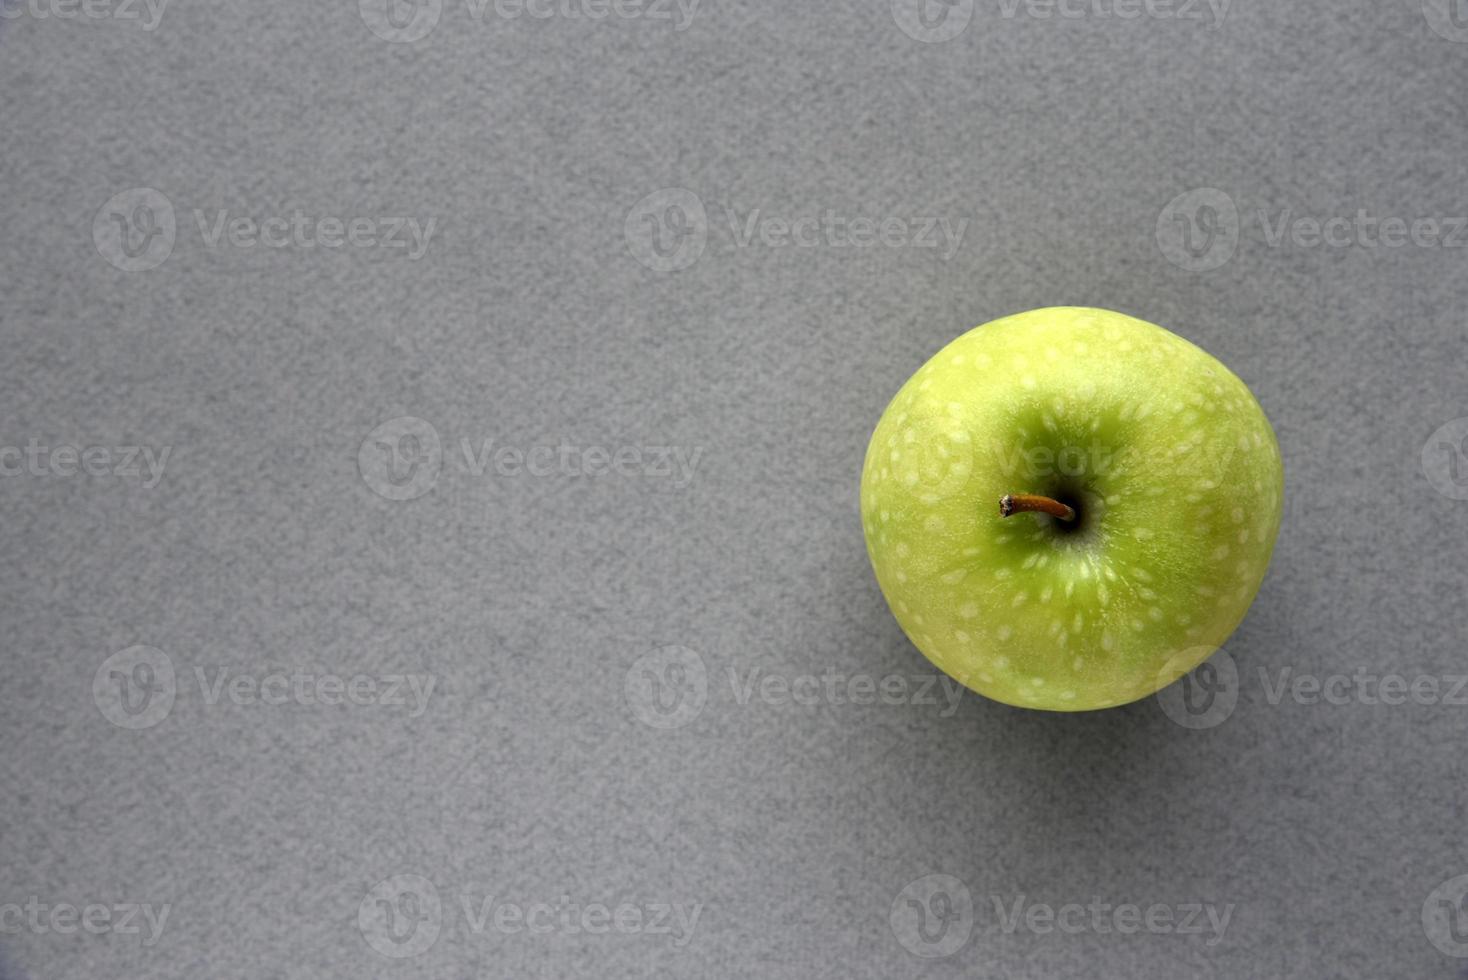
(1019, 503)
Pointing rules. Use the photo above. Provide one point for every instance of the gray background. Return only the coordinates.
(538, 603)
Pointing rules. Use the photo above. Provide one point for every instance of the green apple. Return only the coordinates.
(1069, 509)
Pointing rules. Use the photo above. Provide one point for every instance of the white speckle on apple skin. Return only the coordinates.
(1187, 509)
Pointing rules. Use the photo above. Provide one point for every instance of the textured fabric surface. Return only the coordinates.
(297, 685)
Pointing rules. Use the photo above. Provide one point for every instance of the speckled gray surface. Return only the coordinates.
(593, 777)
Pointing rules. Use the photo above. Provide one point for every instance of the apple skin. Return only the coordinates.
(1169, 461)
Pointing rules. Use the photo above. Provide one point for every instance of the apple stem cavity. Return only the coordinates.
(1021, 503)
